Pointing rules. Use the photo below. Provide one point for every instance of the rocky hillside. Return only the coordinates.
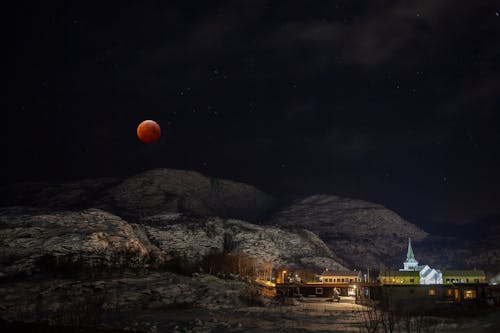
(362, 233)
(152, 192)
(78, 194)
(357, 233)
(126, 301)
(34, 240)
(164, 191)
(197, 237)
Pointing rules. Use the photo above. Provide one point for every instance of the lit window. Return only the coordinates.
(432, 292)
(449, 292)
(470, 294)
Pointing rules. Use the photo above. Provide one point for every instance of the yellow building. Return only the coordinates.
(471, 276)
(399, 277)
(336, 276)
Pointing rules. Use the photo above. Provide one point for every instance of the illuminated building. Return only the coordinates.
(427, 275)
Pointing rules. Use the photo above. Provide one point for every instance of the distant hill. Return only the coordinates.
(362, 233)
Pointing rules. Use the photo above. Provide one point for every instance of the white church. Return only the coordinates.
(427, 275)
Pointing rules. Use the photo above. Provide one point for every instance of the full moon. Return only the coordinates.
(148, 131)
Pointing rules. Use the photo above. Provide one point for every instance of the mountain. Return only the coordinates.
(165, 191)
(38, 241)
(363, 234)
(116, 250)
(152, 192)
(358, 234)
(472, 245)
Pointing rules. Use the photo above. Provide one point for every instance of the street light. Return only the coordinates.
(283, 276)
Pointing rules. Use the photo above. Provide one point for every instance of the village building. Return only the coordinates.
(471, 276)
(427, 275)
(412, 273)
(399, 277)
(337, 276)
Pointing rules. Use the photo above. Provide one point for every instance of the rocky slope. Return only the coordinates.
(119, 301)
(359, 233)
(196, 237)
(364, 234)
(165, 190)
(149, 193)
(90, 267)
(78, 194)
(33, 240)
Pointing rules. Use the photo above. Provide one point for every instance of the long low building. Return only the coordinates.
(336, 276)
(399, 277)
(457, 276)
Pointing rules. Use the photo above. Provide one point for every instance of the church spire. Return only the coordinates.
(409, 255)
(411, 264)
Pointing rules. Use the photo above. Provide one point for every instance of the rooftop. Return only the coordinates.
(340, 273)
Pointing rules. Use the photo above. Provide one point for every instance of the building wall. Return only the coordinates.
(450, 279)
(340, 279)
(427, 297)
(400, 280)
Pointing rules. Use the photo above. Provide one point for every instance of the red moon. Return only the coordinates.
(148, 131)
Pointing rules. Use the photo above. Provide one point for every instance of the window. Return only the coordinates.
(431, 292)
(412, 280)
(470, 294)
(342, 279)
(476, 280)
(449, 292)
(319, 291)
(447, 280)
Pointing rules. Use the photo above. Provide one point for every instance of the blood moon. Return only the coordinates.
(148, 131)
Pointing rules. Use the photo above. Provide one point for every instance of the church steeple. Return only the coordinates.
(411, 264)
(409, 255)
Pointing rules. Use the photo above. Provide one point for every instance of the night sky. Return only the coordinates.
(395, 102)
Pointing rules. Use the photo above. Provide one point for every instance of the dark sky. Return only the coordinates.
(395, 102)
